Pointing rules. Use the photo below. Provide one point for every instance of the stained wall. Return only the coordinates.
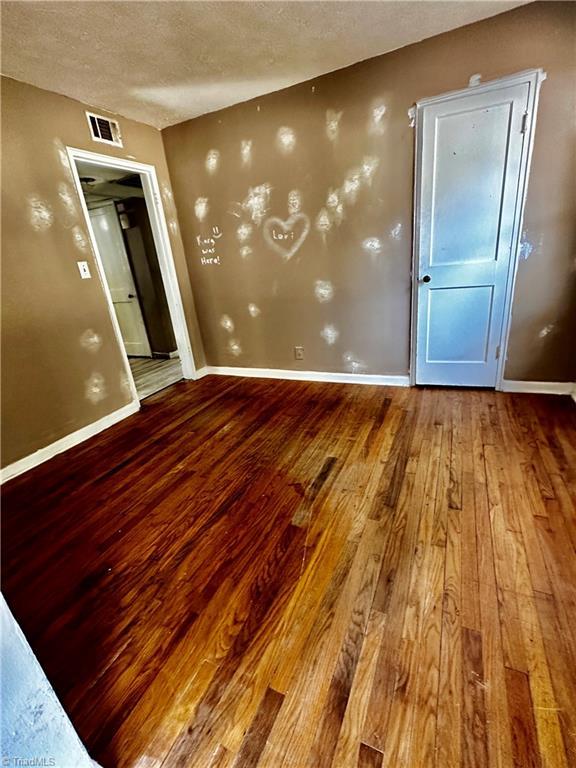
(335, 154)
(62, 367)
(296, 208)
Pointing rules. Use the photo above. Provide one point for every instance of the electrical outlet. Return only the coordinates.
(298, 353)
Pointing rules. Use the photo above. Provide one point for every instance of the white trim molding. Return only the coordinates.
(540, 387)
(69, 441)
(279, 373)
(161, 237)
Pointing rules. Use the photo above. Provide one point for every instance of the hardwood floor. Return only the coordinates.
(267, 573)
(153, 374)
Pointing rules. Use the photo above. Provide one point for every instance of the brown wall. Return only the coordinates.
(371, 301)
(46, 307)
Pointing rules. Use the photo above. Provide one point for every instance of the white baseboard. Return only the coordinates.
(279, 373)
(69, 441)
(540, 387)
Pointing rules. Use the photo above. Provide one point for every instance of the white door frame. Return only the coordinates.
(535, 78)
(163, 249)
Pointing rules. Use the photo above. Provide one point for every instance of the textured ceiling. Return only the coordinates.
(165, 62)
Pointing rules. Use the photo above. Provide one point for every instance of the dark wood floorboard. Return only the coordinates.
(297, 575)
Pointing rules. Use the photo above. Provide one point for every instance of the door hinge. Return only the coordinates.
(498, 352)
(524, 127)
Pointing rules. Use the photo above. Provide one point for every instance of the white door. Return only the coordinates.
(108, 234)
(468, 199)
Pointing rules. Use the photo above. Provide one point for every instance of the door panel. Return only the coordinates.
(471, 151)
(114, 259)
(469, 342)
(470, 158)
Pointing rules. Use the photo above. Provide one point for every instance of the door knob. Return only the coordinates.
(426, 279)
(131, 296)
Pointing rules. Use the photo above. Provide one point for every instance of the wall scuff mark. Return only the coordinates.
(234, 347)
(369, 167)
(376, 119)
(95, 388)
(351, 186)
(68, 203)
(323, 290)
(330, 334)
(41, 214)
(90, 340)
(246, 153)
(167, 195)
(286, 140)
(546, 331)
(255, 204)
(80, 239)
(294, 201)
(201, 208)
(526, 247)
(212, 161)
(244, 232)
(335, 205)
(372, 245)
(227, 323)
(333, 125)
(62, 156)
(352, 363)
(323, 223)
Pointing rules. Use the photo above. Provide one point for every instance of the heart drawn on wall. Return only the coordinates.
(286, 237)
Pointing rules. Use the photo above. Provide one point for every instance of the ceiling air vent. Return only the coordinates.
(104, 130)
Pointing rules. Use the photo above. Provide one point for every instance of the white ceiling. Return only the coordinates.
(162, 62)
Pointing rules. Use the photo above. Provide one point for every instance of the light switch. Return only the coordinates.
(84, 270)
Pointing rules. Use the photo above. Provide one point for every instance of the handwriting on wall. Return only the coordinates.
(208, 246)
(286, 237)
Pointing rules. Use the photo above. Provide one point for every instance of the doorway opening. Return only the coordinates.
(130, 239)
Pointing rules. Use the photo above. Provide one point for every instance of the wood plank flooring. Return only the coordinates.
(153, 374)
(257, 573)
